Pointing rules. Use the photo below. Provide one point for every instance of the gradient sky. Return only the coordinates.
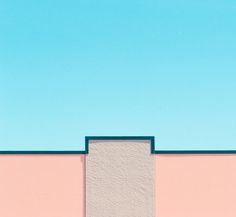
(74, 68)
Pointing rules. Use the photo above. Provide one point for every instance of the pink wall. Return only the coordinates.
(195, 185)
(42, 186)
(53, 185)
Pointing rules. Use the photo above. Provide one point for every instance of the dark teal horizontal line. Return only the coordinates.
(86, 151)
(89, 138)
(119, 138)
(150, 138)
(42, 152)
(195, 152)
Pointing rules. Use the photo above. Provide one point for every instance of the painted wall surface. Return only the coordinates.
(195, 185)
(42, 186)
(120, 179)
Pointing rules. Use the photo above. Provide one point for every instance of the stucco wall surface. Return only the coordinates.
(120, 179)
(42, 186)
(195, 185)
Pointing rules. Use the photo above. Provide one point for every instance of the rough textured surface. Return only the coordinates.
(120, 179)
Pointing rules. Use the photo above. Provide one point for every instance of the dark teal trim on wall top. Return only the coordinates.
(41, 152)
(149, 138)
(153, 149)
(86, 150)
(195, 152)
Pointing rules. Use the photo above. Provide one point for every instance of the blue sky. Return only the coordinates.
(74, 68)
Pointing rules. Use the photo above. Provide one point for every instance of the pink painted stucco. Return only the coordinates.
(42, 186)
(54, 185)
(195, 185)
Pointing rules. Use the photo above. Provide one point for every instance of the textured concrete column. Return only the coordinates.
(120, 179)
